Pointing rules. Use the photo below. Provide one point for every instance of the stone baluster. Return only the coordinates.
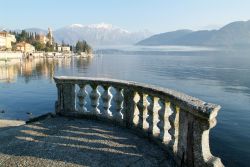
(140, 110)
(153, 116)
(118, 98)
(95, 96)
(136, 112)
(81, 97)
(106, 98)
(145, 113)
(142, 105)
(163, 123)
(129, 107)
(174, 129)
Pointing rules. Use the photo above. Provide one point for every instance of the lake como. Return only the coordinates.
(222, 77)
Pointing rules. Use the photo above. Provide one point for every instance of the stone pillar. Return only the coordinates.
(68, 97)
(182, 146)
(199, 148)
(59, 102)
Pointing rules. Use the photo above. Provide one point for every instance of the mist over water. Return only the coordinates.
(213, 75)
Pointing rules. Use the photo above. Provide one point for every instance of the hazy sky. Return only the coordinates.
(133, 15)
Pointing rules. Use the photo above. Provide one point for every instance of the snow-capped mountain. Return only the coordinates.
(98, 34)
(95, 34)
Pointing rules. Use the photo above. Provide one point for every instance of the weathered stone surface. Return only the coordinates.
(189, 103)
(184, 121)
(63, 141)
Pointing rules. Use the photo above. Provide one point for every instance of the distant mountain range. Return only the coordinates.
(99, 34)
(233, 34)
(95, 34)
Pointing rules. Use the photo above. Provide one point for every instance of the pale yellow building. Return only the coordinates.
(6, 40)
(44, 39)
(25, 47)
(2, 42)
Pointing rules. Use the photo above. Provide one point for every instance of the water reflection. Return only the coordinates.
(9, 70)
(38, 68)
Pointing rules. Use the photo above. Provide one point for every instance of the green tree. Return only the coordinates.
(49, 48)
(82, 46)
(63, 43)
(39, 46)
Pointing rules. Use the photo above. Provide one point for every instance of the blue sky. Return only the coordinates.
(133, 15)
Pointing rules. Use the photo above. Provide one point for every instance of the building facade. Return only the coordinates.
(44, 39)
(59, 48)
(2, 42)
(65, 49)
(25, 47)
(6, 40)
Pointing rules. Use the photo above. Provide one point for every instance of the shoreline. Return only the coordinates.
(8, 55)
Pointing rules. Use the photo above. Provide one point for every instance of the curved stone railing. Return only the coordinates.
(178, 122)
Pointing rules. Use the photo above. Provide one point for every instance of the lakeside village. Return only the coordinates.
(32, 45)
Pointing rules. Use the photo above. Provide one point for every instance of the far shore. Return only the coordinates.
(7, 55)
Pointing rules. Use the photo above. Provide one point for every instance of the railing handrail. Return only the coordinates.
(194, 105)
(178, 122)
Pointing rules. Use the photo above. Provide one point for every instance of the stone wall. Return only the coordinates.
(11, 55)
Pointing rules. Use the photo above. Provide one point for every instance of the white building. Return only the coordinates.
(59, 48)
(65, 49)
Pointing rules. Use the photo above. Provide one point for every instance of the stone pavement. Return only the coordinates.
(63, 141)
(10, 123)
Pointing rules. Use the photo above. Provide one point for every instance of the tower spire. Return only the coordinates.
(50, 36)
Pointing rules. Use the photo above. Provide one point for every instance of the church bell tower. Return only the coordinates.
(50, 36)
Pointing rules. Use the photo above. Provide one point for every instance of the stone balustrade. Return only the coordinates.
(177, 122)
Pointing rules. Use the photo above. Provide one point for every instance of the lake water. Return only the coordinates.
(221, 77)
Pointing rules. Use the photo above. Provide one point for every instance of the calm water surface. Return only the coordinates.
(221, 77)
